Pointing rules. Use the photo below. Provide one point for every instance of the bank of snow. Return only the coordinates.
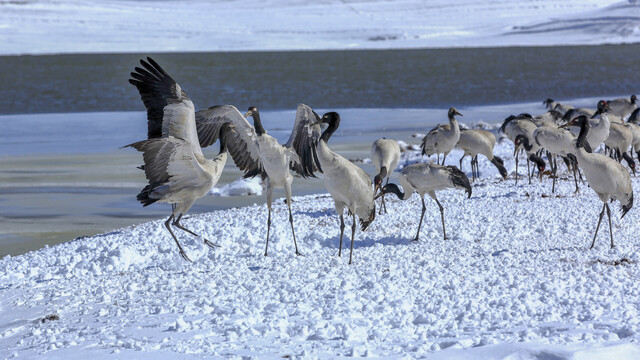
(516, 278)
(72, 26)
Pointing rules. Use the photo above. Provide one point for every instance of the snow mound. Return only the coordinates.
(240, 187)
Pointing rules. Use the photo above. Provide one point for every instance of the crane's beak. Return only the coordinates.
(248, 113)
(377, 196)
(457, 113)
(515, 151)
(376, 188)
(570, 123)
(607, 107)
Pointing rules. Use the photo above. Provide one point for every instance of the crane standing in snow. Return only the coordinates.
(427, 179)
(349, 186)
(442, 138)
(257, 153)
(385, 155)
(177, 171)
(474, 142)
(607, 177)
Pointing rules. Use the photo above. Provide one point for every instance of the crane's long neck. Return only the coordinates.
(453, 123)
(407, 187)
(257, 124)
(333, 126)
(383, 173)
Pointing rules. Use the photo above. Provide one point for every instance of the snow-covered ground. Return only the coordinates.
(516, 280)
(72, 26)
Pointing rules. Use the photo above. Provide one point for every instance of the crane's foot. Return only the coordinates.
(415, 239)
(298, 253)
(184, 256)
(211, 245)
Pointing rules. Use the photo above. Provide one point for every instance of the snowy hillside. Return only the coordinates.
(516, 278)
(71, 26)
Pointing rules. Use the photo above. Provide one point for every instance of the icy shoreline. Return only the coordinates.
(516, 278)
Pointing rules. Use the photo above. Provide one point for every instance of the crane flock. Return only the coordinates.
(179, 174)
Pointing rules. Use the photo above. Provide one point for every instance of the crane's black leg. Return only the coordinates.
(424, 208)
(528, 171)
(463, 155)
(177, 224)
(610, 228)
(341, 233)
(444, 158)
(353, 236)
(167, 224)
(287, 189)
(555, 172)
(475, 161)
(383, 204)
(575, 177)
(438, 158)
(269, 201)
(517, 169)
(444, 231)
(598, 227)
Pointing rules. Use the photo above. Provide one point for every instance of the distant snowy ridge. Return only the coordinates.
(516, 280)
(73, 26)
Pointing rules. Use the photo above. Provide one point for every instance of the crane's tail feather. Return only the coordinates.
(364, 224)
(627, 207)
(459, 179)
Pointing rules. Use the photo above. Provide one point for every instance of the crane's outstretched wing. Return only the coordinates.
(303, 140)
(241, 143)
(170, 112)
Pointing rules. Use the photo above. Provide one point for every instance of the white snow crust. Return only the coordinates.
(516, 280)
(74, 26)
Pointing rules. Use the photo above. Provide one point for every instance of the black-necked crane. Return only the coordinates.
(518, 128)
(257, 153)
(427, 179)
(177, 171)
(623, 107)
(557, 142)
(442, 138)
(607, 177)
(619, 141)
(599, 125)
(551, 104)
(474, 142)
(385, 155)
(349, 185)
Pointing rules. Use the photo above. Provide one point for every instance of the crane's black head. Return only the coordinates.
(603, 106)
(377, 180)
(634, 99)
(499, 164)
(538, 161)
(252, 111)
(583, 122)
(333, 120)
(548, 103)
(521, 140)
(257, 124)
(453, 111)
(390, 188)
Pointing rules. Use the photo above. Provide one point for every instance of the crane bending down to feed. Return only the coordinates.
(177, 171)
(522, 126)
(385, 155)
(607, 177)
(442, 138)
(258, 153)
(475, 142)
(557, 142)
(349, 186)
(427, 179)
